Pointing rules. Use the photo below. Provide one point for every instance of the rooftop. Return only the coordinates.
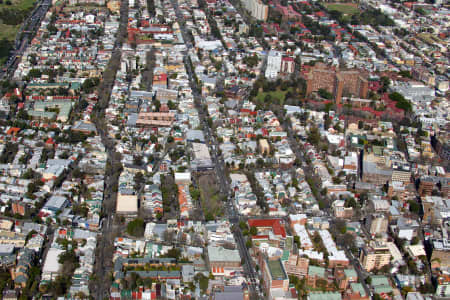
(222, 254)
(276, 270)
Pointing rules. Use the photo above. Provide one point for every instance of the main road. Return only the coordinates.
(24, 36)
(220, 168)
(103, 263)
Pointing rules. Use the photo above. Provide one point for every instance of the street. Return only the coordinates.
(103, 263)
(24, 36)
(219, 166)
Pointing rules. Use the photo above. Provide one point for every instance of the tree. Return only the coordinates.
(137, 160)
(350, 202)
(402, 103)
(313, 136)
(243, 225)
(253, 230)
(360, 124)
(89, 84)
(69, 260)
(171, 105)
(348, 240)
(136, 227)
(22, 114)
(260, 162)
(249, 243)
(76, 173)
(325, 94)
(29, 174)
(174, 253)
(414, 207)
(340, 226)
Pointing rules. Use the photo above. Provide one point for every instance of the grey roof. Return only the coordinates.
(371, 168)
(83, 234)
(56, 203)
(222, 254)
(209, 80)
(193, 135)
(84, 126)
(132, 119)
(7, 260)
(6, 249)
(230, 293)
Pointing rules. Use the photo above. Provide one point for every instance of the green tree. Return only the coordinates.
(313, 136)
(243, 225)
(136, 227)
(414, 207)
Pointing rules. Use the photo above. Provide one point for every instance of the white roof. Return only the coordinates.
(305, 241)
(416, 250)
(127, 203)
(396, 254)
(183, 176)
(51, 264)
(297, 217)
(6, 248)
(311, 254)
(328, 242)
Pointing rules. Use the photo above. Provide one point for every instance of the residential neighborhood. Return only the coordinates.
(204, 149)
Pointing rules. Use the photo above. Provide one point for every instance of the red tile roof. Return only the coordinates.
(275, 224)
(13, 131)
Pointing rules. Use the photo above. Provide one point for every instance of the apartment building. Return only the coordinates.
(257, 9)
(375, 256)
(338, 83)
(297, 266)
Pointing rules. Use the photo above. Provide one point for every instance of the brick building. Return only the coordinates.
(426, 186)
(274, 275)
(297, 266)
(155, 119)
(19, 207)
(338, 83)
(314, 274)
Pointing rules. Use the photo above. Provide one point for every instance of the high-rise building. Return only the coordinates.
(287, 65)
(338, 83)
(375, 256)
(297, 266)
(257, 9)
(273, 64)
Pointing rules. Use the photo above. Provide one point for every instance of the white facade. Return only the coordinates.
(273, 64)
(257, 9)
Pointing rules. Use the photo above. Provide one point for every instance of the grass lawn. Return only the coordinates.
(8, 31)
(278, 94)
(18, 4)
(346, 9)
